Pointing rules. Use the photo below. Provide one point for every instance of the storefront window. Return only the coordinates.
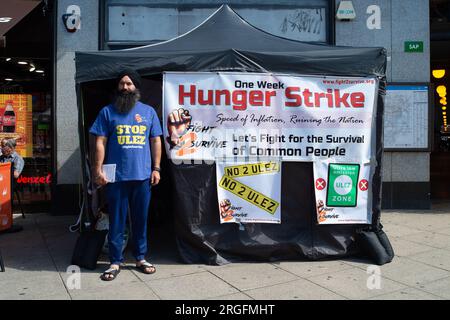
(36, 176)
(26, 104)
(26, 118)
(131, 23)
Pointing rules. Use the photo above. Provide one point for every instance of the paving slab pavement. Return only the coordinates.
(37, 258)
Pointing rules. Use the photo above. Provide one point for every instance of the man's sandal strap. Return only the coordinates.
(110, 272)
(145, 265)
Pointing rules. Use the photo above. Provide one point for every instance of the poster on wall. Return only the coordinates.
(342, 192)
(245, 119)
(406, 117)
(249, 192)
(16, 121)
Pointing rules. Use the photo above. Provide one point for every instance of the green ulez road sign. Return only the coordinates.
(413, 46)
(342, 185)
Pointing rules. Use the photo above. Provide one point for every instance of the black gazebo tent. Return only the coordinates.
(226, 42)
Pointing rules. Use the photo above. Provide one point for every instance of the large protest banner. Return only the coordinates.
(253, 117)
(240, 115)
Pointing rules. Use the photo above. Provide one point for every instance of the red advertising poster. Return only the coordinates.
(5, 196)
(16, 121)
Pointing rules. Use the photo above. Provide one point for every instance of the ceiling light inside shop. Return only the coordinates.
(22, 62)
(40, 71)
(8, 59)
(438, 73)
(8, 79)
(5, 19)
(32, 68)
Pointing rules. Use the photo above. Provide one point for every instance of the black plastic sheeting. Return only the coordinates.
(202, 237)
(226, 42)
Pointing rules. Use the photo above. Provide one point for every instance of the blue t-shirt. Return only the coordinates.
(128, 144)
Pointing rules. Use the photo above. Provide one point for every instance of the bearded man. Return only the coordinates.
(127, 135)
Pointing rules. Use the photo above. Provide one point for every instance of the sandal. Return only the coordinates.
(144, 266)
(110, 274)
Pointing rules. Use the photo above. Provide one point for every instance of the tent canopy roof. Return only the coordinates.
(225, 42)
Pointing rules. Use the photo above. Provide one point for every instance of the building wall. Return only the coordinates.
(68, 156)
(68, 160)
(406, 175)
(406, 180)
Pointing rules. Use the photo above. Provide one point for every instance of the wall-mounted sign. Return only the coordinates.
(72, 18)
(413, 46)
(345, 11)
(373, 22)
(406, 117)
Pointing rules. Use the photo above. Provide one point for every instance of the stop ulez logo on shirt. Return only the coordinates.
(342, 185)
(131, 135)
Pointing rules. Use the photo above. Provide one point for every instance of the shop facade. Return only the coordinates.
(26, 100)
(110, 25)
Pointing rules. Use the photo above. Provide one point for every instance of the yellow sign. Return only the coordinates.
(252, 169)
(248, 194)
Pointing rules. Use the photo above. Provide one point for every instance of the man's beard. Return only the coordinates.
(124, 101)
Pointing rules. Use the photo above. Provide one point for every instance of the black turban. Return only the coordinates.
(133, 75)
